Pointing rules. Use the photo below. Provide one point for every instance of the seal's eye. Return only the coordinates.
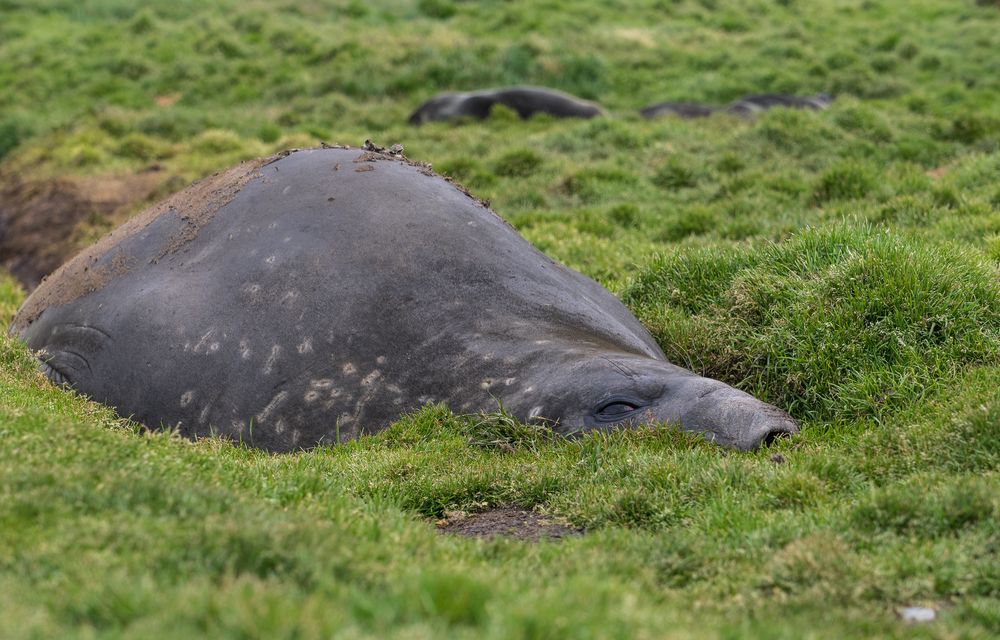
(616, 409)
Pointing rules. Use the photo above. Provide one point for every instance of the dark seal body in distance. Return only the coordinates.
(746, 106)
(749, 105)
(679, 109)
(526, 101)
(315, 296)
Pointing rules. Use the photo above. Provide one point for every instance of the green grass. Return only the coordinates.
(843, 323)
(842, 264)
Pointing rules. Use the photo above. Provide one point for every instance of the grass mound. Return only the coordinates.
(836, 323)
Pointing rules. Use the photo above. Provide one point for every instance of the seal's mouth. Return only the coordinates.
(775, 424)
(777, 434)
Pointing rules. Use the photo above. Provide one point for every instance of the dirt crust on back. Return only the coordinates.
(82, 275)
(373, 153)
(196, 206)
(40, 219)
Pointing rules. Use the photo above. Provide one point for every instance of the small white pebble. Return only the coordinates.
(917, 614)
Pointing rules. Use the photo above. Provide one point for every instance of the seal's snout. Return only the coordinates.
(774, 427)
(727, 416)
(746, 423)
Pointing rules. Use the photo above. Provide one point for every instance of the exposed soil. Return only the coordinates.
(39, 219)
(508, 522)
(82, 274)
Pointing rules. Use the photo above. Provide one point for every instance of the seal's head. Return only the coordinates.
(821, 100)
(607, 390)
(448, 106)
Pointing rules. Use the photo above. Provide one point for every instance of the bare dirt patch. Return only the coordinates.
(196, 206)
(40, 219)
(507, 522)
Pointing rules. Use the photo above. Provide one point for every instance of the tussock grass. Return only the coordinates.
(842, 323)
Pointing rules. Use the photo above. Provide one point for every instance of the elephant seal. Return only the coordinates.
(746, 106)
(314, 296)
(679, 109)
(752, 104)
(527, 101)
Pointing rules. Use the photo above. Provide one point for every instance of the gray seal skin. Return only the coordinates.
(526, 101)
(309, 298)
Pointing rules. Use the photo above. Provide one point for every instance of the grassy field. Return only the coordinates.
(842, 264)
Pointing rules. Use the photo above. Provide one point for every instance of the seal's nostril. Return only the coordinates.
(773, 435)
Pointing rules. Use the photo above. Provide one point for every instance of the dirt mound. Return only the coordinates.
(40, 220)
(512, 523)
(82, 275)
